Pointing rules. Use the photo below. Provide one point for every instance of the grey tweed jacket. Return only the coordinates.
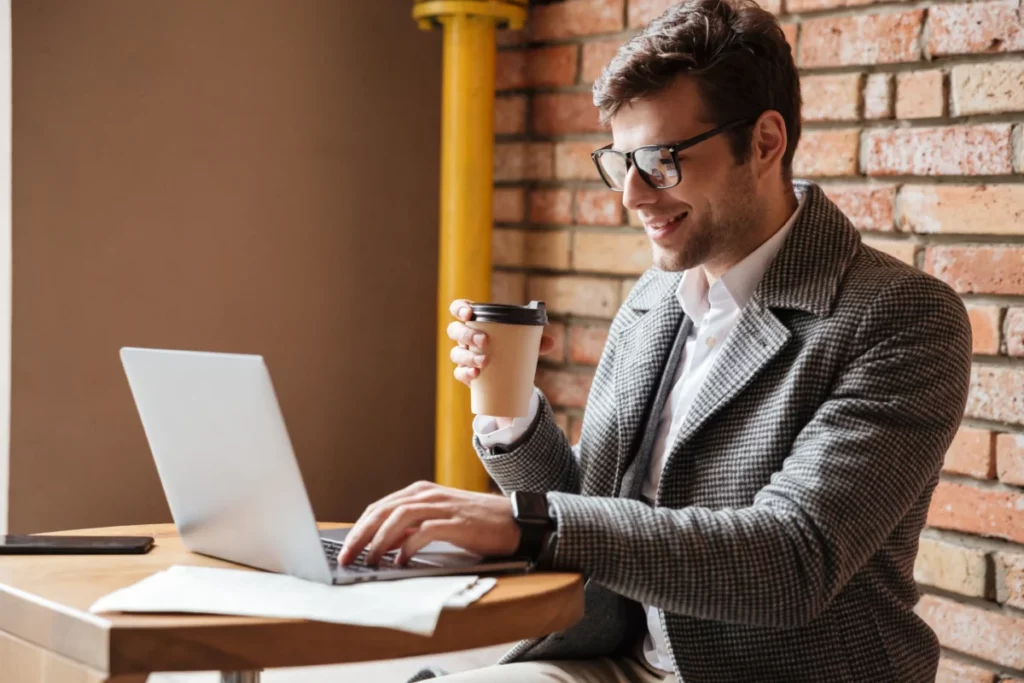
(781, 544)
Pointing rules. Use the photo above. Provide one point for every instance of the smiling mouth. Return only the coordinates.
(662, 228)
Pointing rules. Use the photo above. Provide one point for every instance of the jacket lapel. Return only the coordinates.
(805, 275)
(641, 352)
(754, 342)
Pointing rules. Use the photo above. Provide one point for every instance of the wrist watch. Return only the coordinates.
(530, 511)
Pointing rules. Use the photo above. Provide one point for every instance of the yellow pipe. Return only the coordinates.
(467, 159)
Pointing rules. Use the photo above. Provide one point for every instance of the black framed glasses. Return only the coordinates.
(657, 165)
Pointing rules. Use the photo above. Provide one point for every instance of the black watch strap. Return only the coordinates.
(535, 523)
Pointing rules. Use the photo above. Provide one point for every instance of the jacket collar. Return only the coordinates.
(806, 273)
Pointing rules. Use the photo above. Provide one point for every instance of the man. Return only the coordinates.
(768, 419)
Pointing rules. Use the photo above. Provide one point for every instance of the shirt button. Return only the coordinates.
(711, 341)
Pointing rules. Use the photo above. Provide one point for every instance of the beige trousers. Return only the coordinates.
(623, 669)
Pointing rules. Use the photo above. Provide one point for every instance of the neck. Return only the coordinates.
(774, 214)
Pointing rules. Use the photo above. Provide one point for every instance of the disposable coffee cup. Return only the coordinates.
(505, 384)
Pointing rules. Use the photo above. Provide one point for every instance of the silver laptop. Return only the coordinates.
(231, 479)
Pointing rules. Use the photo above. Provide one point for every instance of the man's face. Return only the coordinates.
(705, 218)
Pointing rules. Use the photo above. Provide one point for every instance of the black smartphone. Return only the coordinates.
(75, 545)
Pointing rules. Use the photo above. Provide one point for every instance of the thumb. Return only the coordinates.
(547, 343)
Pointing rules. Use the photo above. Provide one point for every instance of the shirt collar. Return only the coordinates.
(737, 285)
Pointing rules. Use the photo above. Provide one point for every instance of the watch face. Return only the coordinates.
(531, 506)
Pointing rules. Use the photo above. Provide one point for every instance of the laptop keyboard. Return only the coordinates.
(387, 560)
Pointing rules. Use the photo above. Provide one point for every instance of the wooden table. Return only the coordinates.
(48, 635)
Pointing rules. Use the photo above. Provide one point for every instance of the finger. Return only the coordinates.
(461, 309)
(547, 343)
(364, 528)
(466, 375)
(402, 518)
(466, 358)
(433, 530)
(466, 336)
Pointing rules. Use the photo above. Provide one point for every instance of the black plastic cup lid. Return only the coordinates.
(534, 314)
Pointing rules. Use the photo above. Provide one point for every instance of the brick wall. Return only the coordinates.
(914, 125)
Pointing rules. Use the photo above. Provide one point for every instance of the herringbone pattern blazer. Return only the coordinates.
(781, 545)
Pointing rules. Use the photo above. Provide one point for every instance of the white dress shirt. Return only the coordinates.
(714, 309)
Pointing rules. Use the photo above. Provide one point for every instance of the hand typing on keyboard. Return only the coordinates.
(409, 519)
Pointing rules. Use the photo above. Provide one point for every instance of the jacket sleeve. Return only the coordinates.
(869, 453)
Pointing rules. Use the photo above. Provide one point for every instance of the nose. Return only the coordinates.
(637, 194)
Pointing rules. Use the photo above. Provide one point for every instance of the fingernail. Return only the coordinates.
(479, 361)
(464, 312)
(478, 340)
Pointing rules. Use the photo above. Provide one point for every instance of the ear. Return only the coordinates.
(768, 142)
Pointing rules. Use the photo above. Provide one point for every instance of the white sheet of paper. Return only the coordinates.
(412, 605)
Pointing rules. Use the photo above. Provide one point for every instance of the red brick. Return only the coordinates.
(878, 96)
(987, 88)
(572, 160)
(596, 55)
(586, 343)
(827, 153)
(861, 39)
(904, 250)
(972, 453)
(556, 330)
(869, 207)
(562, 420)
(563, 113)
(953, 150)
(506, 37)
(619, 253)
(508, 288)
(1018, 148)
(542, 67)
(642, 12)
(575, 427)
(919, 95)
(551, 206)
(985, 329)
(1010, 579)
(1013, 331)
(507, 206)
(598, 207)
(975, 27)
(1010, 458)
(981, 633)
(814, 5)
(951, 671)
(576, 18)
(962, 209)
(832, 97)
(978, 270)
(997, 393)
(951, 567)
(626, 288)
(573, 295)
(773, 6)
(790, 32)
(546, 249)
(978, 511)
(563, 388)
(510, 115)
(523, 161)
(507, 248)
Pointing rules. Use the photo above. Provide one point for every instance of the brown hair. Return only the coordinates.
(734, 51)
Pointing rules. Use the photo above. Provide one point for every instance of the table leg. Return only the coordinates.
(240, 677)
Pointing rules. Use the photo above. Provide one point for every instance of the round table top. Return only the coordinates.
(45, 600)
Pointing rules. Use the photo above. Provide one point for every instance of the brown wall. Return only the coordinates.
(242, 175)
